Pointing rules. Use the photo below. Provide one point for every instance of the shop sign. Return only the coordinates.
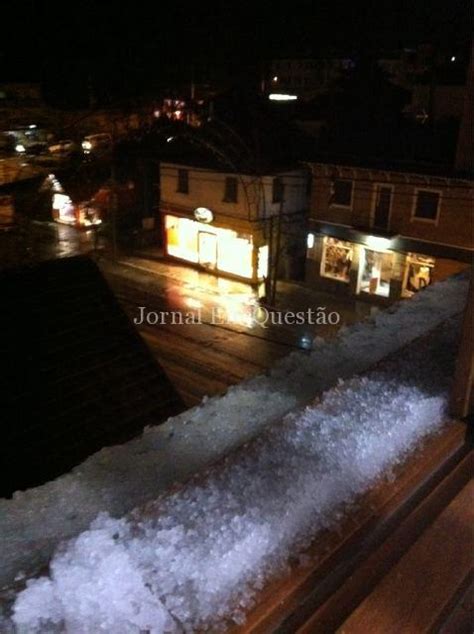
(203, 215)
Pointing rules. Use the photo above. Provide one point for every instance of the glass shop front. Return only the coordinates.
(374, 269)
(214, 248)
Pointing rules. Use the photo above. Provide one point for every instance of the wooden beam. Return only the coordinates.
(336, 555)
(462, 395)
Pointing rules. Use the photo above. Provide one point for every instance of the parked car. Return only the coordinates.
(96, 143)
(64, 146)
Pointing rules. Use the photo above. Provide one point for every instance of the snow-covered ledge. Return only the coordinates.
(120, 478)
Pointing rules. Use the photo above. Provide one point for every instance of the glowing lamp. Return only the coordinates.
(275, 96)
(20, 148)
(377, 243)
(310, 240)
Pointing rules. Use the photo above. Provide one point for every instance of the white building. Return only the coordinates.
(233, 223)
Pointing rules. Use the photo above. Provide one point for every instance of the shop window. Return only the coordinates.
(426, 205)
(230, 191)
(341, 193)
(181, 238)
(277, 190)
(375, 272)
(234, 253)
(418, 273)
(183, 181)
(337, 259)
(210, 246)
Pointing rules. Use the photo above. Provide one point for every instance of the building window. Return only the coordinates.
(310, 240)
(341, 193)
(230, 192)
(337, 259)
(426, 205)
(277, 190)
(183, 182)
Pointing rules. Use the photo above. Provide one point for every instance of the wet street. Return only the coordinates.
(227, 337)
(219, 334)
(36, 241)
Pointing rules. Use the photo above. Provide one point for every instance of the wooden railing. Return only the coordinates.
(462, 393)
(344, 566)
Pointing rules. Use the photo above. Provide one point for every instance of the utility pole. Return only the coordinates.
(269, 278)
(276, 261)
(113, 196)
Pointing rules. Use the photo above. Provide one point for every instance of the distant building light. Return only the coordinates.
(310, 240)
(275, 78)
(55, 184)
(86, 146)
(378, 243)
(282, 97)
(157, 114)
(32, 126)
(453, 58)
(306, 342)
(169, 139)
(61, 202)
(20, 148)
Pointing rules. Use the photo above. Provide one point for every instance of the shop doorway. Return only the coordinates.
(207, 244)
(375, 272)
(382, 207)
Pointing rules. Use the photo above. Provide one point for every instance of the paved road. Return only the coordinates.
(229, 343)
(202, 359)
(38, 241)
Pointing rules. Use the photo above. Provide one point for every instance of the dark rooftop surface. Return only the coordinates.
(76, 376)
(427, 168)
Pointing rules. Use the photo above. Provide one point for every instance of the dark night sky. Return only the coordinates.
(129, 45)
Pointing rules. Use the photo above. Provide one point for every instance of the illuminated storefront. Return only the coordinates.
(81, 215)
(368, 269)
(65, 211)
(215, 248)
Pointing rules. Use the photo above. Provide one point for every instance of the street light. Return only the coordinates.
(275, 96)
